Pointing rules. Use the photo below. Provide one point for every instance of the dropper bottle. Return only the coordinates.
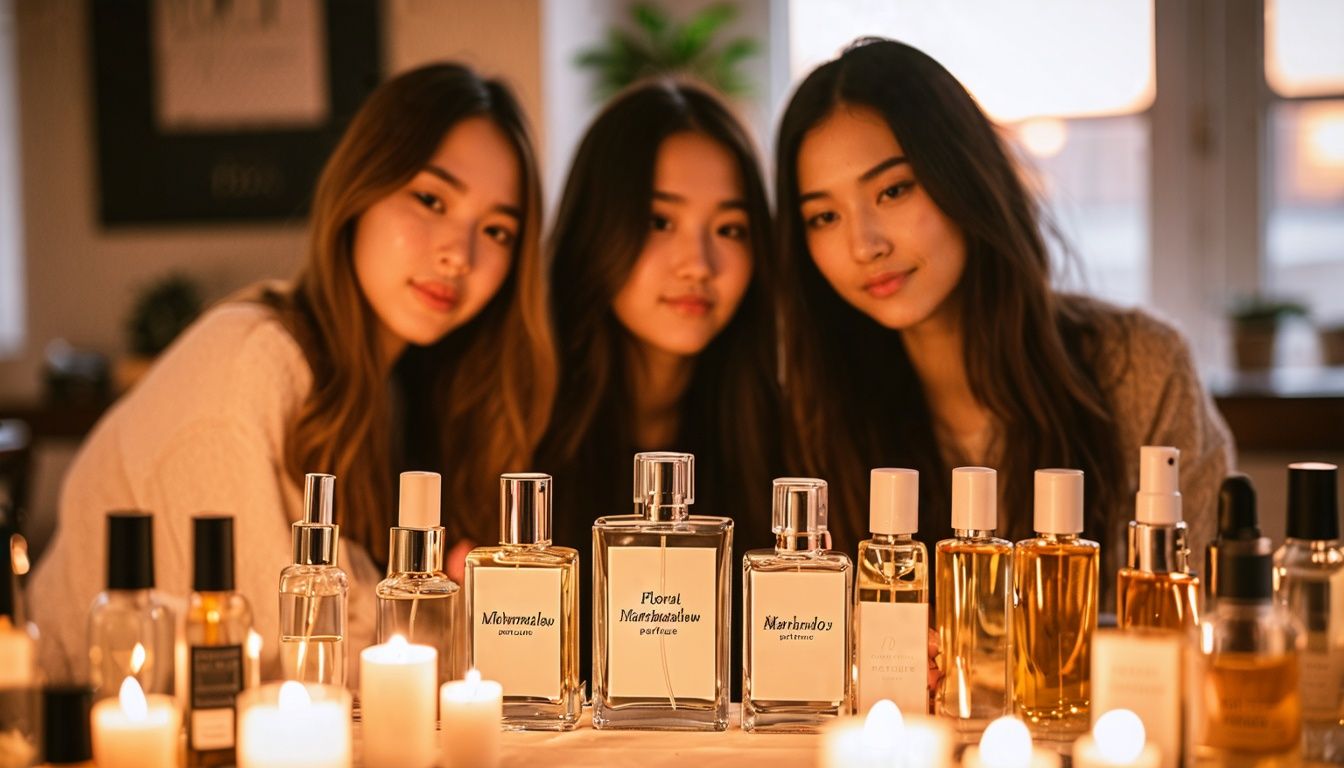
(313, 592)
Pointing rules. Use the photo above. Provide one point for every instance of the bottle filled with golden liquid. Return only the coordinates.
(1246, 706)
(1054, 612)
(1156, 589)
(972, 575)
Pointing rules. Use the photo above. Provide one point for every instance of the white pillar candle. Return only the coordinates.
(1118, 740)
(397, 681)
(292, 725)
(135, 730)
(886, 739)
(471, 714)
(1006, 743)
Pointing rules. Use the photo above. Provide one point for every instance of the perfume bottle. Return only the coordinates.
(131, 631)
(1309, 583)
(798, 607)
(1156, 589)
(661, 588)
(973, 582)
(523, 600)
(313, 592)
(218, 623)
(891, 615)
(1054, 611)
(1246, 707)
(417, 600)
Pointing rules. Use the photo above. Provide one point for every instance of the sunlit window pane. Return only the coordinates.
(1304, 47)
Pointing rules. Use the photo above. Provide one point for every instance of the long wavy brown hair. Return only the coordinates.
(474, 404)
(1030, 354)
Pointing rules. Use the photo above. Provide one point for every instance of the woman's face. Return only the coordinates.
(431, 254)
(696, 261)
(872, 230)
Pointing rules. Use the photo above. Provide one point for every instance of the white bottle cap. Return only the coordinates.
(1059, 501)
(1158, 501)
(893, 501)
(419, 507)
(975, 499)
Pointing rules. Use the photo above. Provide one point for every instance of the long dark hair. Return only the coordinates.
(854, 398)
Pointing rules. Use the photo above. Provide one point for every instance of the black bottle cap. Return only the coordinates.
(130, 550)
(1245, 558)
(1237, 518)
(1313, 501)
(65, 716)
(212, 542)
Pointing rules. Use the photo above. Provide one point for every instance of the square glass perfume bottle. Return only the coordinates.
(523, 600)
(797, 604)
(661, 591)
(132, 631)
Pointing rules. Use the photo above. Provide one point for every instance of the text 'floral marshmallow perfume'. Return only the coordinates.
(132, 632)
(417, 600)
(661, 590)
(973, 586)
(1054, 612)
(313, 592)
(797, 598)
(891, 616)
(523, 600)
(1156, 588)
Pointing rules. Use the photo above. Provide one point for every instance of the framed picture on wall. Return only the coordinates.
(224, 110)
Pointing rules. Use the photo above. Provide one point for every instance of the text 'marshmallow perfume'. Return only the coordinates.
(797, 608)
(523, 600)
(661, 591)
(891, 613)
(1156, 589)
(972, 577)
(313, 592)
(131, 630)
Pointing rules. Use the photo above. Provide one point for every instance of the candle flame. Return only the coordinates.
(1006, 744)
(884, 730)
(133, 702)
(137, 658)
(253, 644)
(1119, 735)
(294, 697)
(473, 676)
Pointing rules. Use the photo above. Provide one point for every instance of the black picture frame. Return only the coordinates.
(146, 176)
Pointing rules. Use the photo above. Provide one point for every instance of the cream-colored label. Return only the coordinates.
(798, 632)
(1141, 672)
(515, 624)
(894, 655)
(211, 729)
(1322, 687)
(661, 622)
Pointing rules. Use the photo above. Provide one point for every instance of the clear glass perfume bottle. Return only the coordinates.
(313, 592)
(417, 600)
(1156, 588)
(131, 630)
(1054, 612)
(218, 623)
(661, 591)
(523, 600)
(1309, 583)
(891, 615)
(972, 574)
(1246, 705)
(798, 610)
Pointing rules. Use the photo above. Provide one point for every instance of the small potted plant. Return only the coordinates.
(162, 310)
(1255, 329)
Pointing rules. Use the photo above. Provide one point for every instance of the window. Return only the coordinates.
(11, 221)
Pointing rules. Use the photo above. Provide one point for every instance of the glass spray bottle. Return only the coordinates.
(313, 592)
(1156, 588)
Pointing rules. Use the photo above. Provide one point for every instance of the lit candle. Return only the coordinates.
(1118, 740)
(471, 713)
(886, 739)
(1006, 743)
(396, 693)
(253, 659)
(292, 725)
(135, 730)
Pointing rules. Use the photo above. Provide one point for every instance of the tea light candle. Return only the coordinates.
(292, 725)
(471, 715)
(135, 730)
(886, 739)
(396, 692)
(1006, 743)
(1118, 740)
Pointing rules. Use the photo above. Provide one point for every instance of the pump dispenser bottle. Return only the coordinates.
(313, 592)
(1156, 588)
(661, 591)
(131, 630)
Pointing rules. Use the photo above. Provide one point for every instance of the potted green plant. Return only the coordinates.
(162, 310)
(1255, 329)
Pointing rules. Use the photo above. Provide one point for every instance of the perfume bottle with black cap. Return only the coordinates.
(131, 629)
(313, 592)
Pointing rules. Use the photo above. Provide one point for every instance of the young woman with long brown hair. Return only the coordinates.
(921, 327)
(415, 337)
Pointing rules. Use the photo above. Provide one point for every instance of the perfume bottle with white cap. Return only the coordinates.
(661, 588)
(1156, 588)
(797, 607)
(313, 592)
(523, 604)
(891, 615)
(1054, 612)
(417, 600)
(972, 577)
